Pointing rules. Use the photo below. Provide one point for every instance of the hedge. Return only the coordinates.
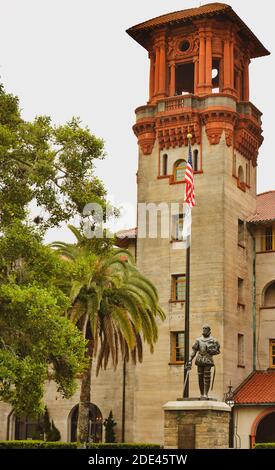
(37, 445)
(265, 445)
(72, 445)
(122, 445)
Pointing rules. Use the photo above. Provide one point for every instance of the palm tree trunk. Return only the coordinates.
(85, 391)
(84, 404)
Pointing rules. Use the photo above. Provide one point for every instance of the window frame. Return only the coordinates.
(176, 164)
(177, 227)
(271, 355)
(175, 282)
(264, 238)
(174, 336)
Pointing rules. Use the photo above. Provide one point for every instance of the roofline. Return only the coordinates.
(134, 31)
(266, 192)
(271, 403)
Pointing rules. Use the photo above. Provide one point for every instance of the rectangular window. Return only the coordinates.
(234, 166)
(177, 347)
(178, 288)
(241, 233)
(248, 174)
(177, 227)
(240, 350)
(272, 353)
(240, 291)
(268, 239)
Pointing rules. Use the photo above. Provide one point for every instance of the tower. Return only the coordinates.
(198, 83)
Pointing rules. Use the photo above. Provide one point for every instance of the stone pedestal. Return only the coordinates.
(196, 425)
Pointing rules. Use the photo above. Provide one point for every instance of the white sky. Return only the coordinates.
(73, 57)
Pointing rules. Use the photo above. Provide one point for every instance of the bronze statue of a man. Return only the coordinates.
(205, 347)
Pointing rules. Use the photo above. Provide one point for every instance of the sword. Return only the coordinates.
(186, 378)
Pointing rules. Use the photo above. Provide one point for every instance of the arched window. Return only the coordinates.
(95, 423)
(269, 295)
(29, 428)
(179, 170)
(196, 160)
(240, 174)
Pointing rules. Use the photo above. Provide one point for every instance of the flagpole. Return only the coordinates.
(187, 312)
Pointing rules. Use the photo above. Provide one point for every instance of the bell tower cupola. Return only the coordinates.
(202, 54)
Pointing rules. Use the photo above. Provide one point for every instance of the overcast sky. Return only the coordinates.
(73, 57)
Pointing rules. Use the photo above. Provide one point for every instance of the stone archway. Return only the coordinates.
(95, 423)
(263, 427)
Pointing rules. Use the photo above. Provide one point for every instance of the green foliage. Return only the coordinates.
(37, 445)
(51, 165)
(109, 424)
(49, 428)
(73, 445)
(264, 445)
(122, 445)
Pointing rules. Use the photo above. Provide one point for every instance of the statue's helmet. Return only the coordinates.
(206, 326)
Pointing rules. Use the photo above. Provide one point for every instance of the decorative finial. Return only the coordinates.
(189, 135)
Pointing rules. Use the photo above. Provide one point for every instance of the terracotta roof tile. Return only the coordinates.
(259, 387)
(181, 15)
(265, 208)
(130, 233)
(140, 31)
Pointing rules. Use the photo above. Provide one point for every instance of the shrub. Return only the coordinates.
(37, 445)
(265, 445)
(109, 425)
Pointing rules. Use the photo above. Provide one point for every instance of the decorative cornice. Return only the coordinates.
(172, 124)
(144, 129)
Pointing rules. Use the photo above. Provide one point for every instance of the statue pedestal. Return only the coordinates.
(196, 424)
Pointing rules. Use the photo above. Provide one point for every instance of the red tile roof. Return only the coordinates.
(265, 208)
(259, 387)
(140, 31)
(130, 233)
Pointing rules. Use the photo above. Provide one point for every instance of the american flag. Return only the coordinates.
(189, 180)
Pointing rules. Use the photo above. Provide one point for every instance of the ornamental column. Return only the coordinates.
(208, 62)
(156, 88)
(246, 80)
(172, 87)
(227, 65)
(152, 77)
(201, 84)
(162, 70)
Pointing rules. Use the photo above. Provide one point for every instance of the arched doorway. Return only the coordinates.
(266, 429)
(95, 423)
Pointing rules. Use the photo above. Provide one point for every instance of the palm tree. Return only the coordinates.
(115, 306)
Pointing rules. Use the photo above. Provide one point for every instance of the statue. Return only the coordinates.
(205, 347)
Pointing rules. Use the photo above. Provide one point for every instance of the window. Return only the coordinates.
(269, 296)
(29, 428)
(185, 78)
(240, 291)
(179, 170)
(241, 241)
(164, 164)
(248, 174)
(240, 350)
(178, 288)
(234, 165)
(177, 347)
(196, 160)
(268, 239)
(272, 353)
(216, 76)
(177, 227)
(240, 182)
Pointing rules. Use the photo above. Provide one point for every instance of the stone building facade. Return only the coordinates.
(199, 84)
